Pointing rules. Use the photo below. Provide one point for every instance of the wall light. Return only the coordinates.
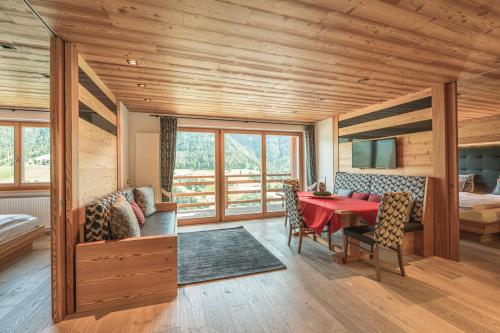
(132, 62)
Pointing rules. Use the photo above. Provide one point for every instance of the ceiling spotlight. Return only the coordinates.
(364, 80)
(141, 85)
(147, 100)
(132, 62)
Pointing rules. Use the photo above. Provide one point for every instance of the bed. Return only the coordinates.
(480, 210)
(17, 233)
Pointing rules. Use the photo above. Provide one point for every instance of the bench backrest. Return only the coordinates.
(380, 184)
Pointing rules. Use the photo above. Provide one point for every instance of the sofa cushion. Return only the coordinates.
(138, 212)
(145, 198)
(161, 223)
(344, 192)
(360, 196)
(123, 223)
(355, 182)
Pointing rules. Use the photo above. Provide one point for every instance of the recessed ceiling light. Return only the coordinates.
(132, 62)
(141, 85)
(364, 80)
(147, 100)
(8, 46)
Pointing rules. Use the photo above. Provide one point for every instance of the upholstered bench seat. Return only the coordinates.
(413, 226)
(160, 223)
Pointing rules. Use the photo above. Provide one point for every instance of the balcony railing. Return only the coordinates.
(230, 182)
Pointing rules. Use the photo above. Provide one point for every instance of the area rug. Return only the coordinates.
(218, 254)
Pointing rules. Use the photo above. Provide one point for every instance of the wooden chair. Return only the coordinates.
(293, 213)
(387, 232)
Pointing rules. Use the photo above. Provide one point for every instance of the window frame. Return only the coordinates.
(18, 185)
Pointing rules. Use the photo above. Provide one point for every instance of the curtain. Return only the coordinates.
(168, 138)
(310, 155)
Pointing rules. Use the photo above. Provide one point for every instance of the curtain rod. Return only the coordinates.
(233, 120)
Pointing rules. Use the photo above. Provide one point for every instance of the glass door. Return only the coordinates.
(242, 174)
(195, 177)
(282, 162)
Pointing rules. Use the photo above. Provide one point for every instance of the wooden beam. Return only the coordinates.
(92, 102)
(57, 179)
(94, 77)
(336, 157)
(445, 191)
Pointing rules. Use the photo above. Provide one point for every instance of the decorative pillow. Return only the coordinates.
(344, 192)
(496, 191)
(375, 198)
(360, 196)
(122, 220)
(461, 184)
(469, 182)
(138, 212)
(145, 198)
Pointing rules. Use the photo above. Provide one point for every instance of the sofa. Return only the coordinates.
(380, 184)
(111, 273)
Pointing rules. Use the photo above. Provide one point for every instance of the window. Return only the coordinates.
(24, 155)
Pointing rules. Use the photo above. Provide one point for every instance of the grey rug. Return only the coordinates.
(223, 253)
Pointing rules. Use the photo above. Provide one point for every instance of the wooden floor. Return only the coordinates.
(314, 294)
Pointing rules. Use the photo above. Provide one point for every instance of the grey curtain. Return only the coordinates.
(310, 155)
(168, 138)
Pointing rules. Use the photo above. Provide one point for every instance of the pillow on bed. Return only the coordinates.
(461, 185)
(496, 191)
(469, 182)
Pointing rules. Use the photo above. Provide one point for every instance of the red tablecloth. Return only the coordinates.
(318, 212)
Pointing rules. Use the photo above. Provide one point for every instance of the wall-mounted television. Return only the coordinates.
(379, 154)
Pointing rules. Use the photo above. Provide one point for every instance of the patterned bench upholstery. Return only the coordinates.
(97, 214)
(380, 184)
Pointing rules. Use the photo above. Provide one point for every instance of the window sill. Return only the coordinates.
(24, 193)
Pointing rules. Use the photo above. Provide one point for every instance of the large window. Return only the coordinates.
(24, 155)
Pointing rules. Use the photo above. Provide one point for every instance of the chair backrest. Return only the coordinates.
(392, 216)
(292, 203)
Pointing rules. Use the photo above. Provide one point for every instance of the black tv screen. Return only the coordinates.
(385, 154)
(362, 154)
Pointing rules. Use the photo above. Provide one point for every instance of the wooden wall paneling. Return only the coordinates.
(336, 148)
(58, 179)
(445, 192)
(479, 131)
(92, 102)
(424, 240)
(72, 170)
(119, 141)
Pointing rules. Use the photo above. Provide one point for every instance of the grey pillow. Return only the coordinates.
(123, 221)
(145, 198)
(344, 192)
(469, 182)
(496, 191)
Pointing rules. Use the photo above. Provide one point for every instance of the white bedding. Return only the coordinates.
(15, 225)
(469, 200)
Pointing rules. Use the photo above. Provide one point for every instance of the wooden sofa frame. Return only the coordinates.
(128, 271)
(20, 244)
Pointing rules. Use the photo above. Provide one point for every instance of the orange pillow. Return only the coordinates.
(138, 212)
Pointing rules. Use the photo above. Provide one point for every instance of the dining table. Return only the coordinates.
(335, 213)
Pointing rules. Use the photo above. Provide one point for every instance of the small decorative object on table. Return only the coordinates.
(322, 194)
(321, 187)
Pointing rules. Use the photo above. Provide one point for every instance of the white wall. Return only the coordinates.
(124, 145)
(324, 151)
(144, 123)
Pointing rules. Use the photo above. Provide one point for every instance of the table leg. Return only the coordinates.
(354, 252)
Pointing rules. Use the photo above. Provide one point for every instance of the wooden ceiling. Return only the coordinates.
(284, 60)
(480, 96)
(22, 70)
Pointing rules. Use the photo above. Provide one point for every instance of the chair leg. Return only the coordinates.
(377, 263)
(286, 218)
(290, 234)
(346, 249)
(314, 237)
(371, 252)
(301, 235)
(329, 236)
(401, 262)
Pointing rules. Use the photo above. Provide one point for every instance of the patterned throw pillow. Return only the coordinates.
(123, 221)
(344, 192)
(145, 198)
(461, 184)
(469, 182)
(496, 191)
